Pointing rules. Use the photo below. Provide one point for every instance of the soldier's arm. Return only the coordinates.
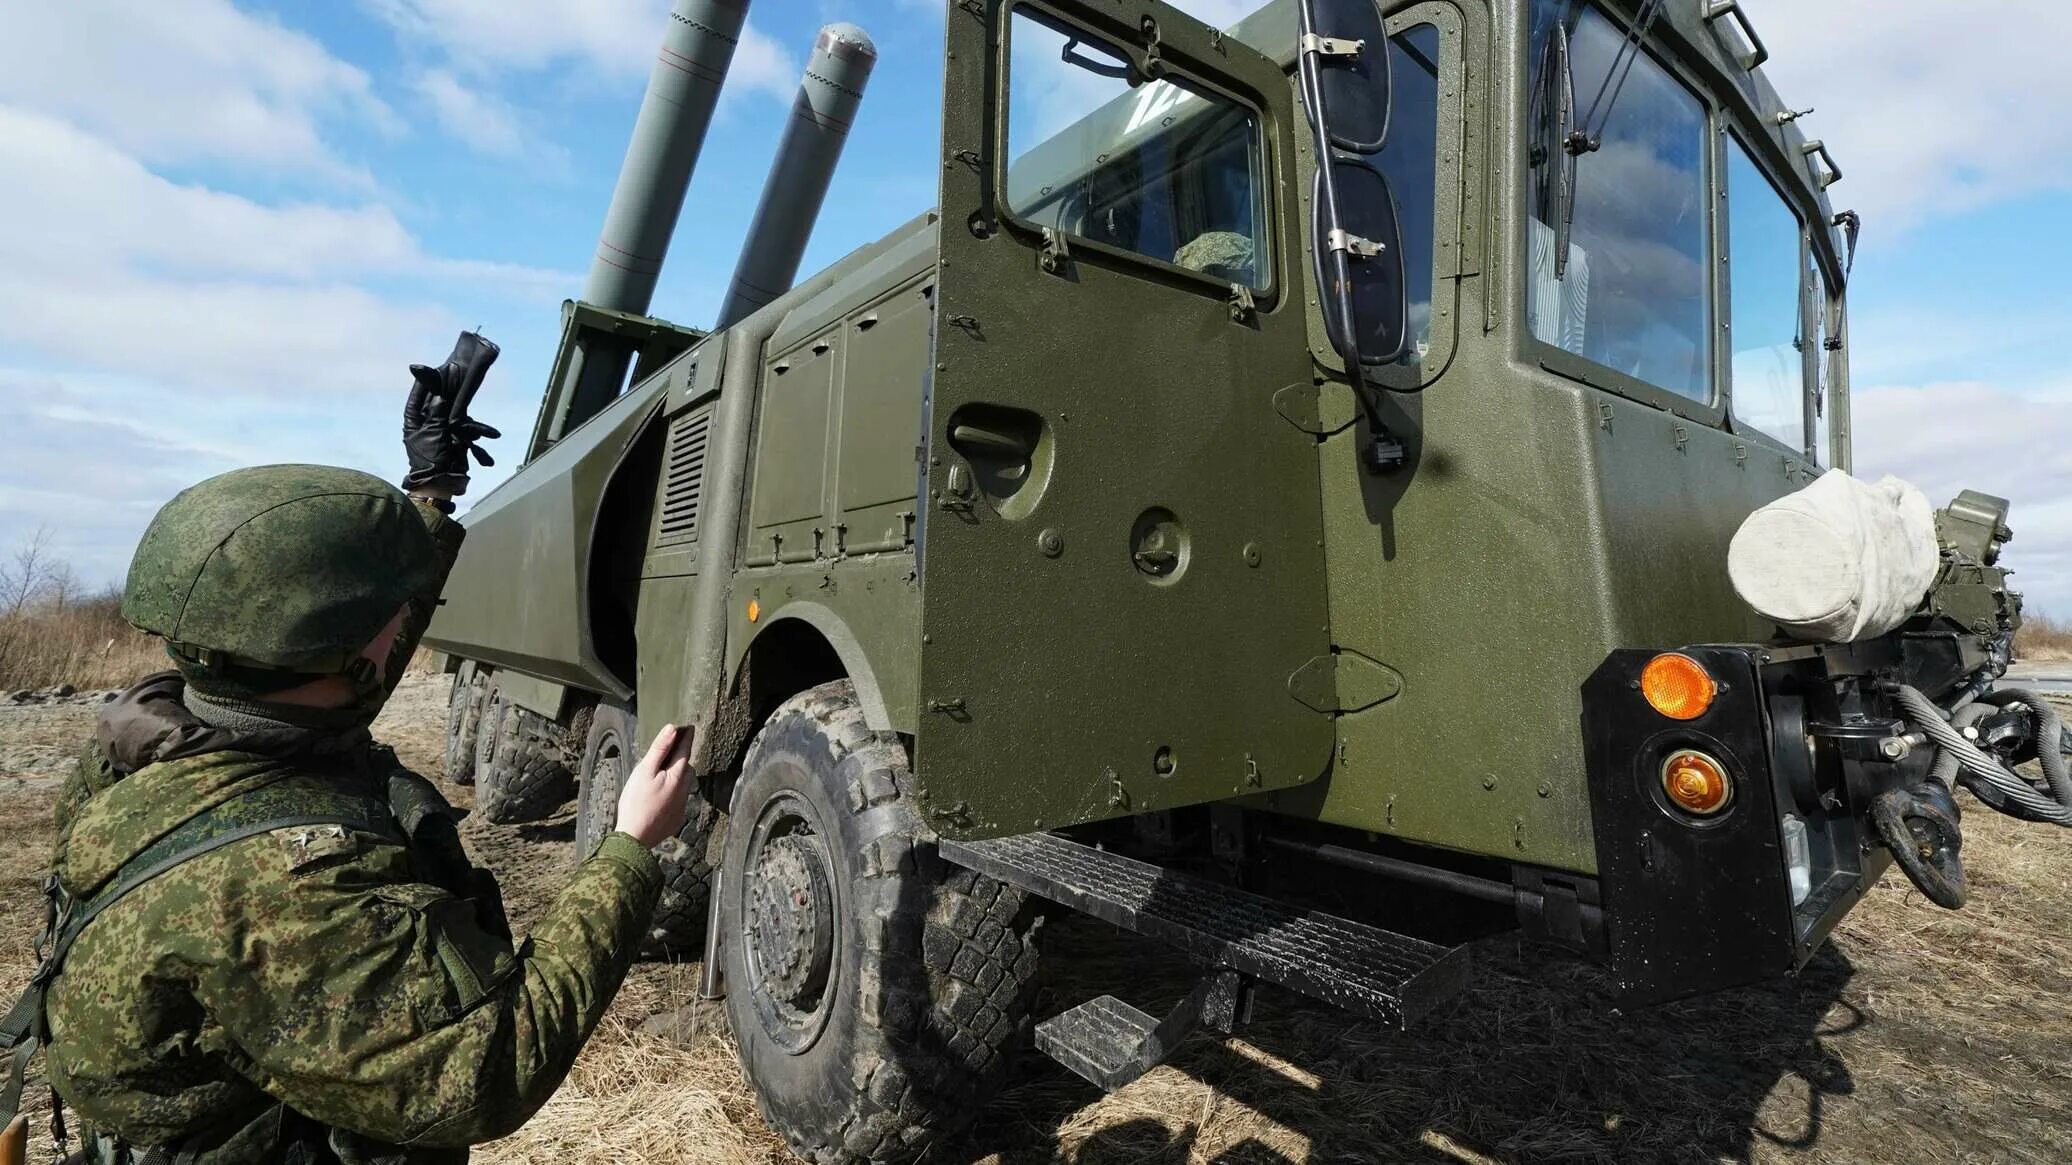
(387, 1009)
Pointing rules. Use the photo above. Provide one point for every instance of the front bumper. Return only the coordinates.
(1693, 904)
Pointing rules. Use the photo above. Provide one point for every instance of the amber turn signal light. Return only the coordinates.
(1696, 783)
(1677, 686)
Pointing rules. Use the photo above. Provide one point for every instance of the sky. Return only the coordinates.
(230, 225)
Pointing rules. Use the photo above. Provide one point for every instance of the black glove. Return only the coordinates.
(438, 434)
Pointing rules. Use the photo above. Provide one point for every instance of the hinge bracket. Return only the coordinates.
(1344, 681)
(1330, 46)
(1056, 253)
(1242, 304)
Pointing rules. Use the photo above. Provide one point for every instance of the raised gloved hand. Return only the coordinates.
(438, 434)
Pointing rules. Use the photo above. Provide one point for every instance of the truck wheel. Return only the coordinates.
(876, 994)
(687, 859)
(464, 722)
(524, 772)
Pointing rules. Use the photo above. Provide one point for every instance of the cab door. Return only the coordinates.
(1121, 561)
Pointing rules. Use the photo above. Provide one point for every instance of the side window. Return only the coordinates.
(1635, 292)
(1164, 169)
(1765, 320)
(1411, 160)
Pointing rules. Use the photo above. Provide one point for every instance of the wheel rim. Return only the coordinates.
(602, 784)
(787, 923)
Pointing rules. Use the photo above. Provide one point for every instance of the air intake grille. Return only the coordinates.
(683, 482)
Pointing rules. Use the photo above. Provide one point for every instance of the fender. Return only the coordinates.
(835, 630)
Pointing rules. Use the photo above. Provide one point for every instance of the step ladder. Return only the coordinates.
(1239, 935)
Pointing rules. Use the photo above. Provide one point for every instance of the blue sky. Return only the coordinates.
(231, 224)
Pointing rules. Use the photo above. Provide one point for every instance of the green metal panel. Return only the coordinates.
(518, 596)
(868, 608)
(788, 504)
(885, 364)
(1059, 681)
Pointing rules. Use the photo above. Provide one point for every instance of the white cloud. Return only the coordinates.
(1928, 107)
(187, 80)
(1971, 435)
(484, 122)
(615, 37)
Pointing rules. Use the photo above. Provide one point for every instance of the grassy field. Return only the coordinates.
(1917, 1035)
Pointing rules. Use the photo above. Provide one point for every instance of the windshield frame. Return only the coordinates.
(1266, 148)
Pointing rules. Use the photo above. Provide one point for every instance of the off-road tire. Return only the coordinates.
(930, 970)
(464, 722)
(610, 750)
(529, 769)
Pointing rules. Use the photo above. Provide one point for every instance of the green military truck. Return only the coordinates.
(1277, 502)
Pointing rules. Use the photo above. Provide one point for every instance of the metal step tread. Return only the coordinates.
(1392, 977)
(1102, 1040)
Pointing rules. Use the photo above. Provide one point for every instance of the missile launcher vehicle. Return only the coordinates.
(1278, 502)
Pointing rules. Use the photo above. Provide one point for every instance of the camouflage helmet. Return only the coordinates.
(272, 575)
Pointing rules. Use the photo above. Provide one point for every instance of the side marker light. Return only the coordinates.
(1696, 783)
(755, 610)
(1677, 686)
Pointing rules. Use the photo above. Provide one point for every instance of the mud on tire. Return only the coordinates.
(876, 993)
(524, 767)
(611, 748)
(464, 722)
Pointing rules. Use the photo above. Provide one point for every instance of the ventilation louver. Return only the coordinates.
(683, 482)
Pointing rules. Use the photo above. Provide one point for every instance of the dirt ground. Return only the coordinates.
(1918, 1034)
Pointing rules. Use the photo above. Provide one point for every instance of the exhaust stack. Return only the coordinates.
(829, 93)
(682, 91)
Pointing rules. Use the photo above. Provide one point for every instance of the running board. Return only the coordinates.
(1389, 977)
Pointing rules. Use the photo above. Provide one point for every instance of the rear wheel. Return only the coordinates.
(876, 994)
(464, 723)
(687, 860)
(523, 766)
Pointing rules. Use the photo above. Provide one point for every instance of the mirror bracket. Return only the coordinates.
(1331, 46)
(1340, 239)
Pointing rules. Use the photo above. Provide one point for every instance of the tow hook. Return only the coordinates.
(1920, 826)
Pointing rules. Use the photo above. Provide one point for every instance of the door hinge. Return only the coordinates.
(1344, 681)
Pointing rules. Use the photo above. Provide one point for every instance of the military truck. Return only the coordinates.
(1276, 502)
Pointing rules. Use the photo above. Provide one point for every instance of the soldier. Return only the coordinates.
(290, 958)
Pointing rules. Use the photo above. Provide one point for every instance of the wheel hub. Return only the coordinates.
(790, 921)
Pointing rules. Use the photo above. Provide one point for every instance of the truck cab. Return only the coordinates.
(1307, 447)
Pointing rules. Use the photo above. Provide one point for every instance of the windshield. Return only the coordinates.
(1163, 169)
(1635, 294)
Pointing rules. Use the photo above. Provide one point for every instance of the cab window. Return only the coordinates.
(1162, 169)
(1410, 158)
(1634, 294)
(1765, 317)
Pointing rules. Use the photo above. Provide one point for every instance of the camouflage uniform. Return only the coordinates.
(321, 993)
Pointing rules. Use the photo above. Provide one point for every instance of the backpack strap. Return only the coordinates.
(275, 805)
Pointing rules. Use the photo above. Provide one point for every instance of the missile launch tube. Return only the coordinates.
(829, 93)
(682, 91)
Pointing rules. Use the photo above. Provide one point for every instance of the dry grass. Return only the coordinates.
(2043, 637)
(85, 644)
(1917, 1035)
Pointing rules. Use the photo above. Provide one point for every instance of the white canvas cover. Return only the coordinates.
(1839, 560)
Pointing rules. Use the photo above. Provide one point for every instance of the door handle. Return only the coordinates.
(978, 440)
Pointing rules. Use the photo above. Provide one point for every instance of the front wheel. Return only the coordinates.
(687, 860)
(876, 993)
(464, 722)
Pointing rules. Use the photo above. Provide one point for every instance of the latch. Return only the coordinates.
(1330, 46)
(1242, 304)
(1338, 239)
(1055, 253)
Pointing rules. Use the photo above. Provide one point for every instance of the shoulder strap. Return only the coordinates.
(276, 805)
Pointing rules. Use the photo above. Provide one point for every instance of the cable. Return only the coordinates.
(1988, 779)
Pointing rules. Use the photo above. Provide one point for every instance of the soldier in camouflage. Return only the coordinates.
(297, 962)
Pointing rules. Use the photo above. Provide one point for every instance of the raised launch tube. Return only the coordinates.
(682, 91)
(683, 88)
(829, 93)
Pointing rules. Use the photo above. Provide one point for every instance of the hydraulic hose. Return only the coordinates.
(1982, 773)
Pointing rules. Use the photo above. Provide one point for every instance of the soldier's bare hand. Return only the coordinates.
(656, 797)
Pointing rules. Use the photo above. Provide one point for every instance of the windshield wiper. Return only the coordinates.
(1591, 134)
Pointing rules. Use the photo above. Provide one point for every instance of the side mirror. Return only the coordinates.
(1343, 56)
(1366, 303)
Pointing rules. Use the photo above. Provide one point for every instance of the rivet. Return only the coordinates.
(1051, 543)
(1489, 782)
